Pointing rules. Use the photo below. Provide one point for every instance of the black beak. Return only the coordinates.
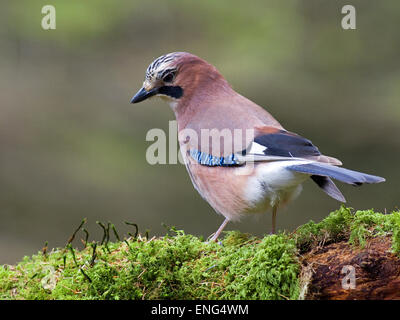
(143, 94)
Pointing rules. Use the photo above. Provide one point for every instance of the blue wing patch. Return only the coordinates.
(213, 161)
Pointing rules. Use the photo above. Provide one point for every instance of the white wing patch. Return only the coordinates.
(257, 148)
(256, 153)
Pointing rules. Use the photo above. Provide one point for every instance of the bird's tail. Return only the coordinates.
(321, 174)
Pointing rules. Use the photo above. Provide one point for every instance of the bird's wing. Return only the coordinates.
(268, 144)
(271, 144)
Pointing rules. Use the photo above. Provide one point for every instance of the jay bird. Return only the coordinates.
(281, 161)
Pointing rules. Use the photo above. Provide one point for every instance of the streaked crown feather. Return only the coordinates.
(162, 63)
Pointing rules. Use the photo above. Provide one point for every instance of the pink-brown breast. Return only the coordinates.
(222, 187)
(238, 191)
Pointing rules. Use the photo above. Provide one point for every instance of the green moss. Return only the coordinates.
(333, 228)
(344, 224)
(185, 267)
(179, 267)
(266, 269)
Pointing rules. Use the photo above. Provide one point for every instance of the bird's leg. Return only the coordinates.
(274, 210)
(216, 234)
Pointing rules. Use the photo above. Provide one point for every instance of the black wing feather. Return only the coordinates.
(287, 144)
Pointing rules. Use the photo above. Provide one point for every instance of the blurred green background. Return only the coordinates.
(72, 146)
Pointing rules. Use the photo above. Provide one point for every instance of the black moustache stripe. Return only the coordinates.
(172, 91)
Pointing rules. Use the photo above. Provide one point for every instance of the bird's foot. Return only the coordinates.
(214, 239)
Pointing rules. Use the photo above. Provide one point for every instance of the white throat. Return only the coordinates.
(173, 103)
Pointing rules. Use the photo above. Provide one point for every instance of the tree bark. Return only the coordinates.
(340, 271)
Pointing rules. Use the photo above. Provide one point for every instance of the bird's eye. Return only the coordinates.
(169, 77)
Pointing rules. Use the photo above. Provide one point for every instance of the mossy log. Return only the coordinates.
(376, 271)
(306, 264)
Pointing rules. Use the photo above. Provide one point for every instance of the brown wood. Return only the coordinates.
(377, 271)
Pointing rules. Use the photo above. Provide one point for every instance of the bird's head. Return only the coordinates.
(176, 75)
